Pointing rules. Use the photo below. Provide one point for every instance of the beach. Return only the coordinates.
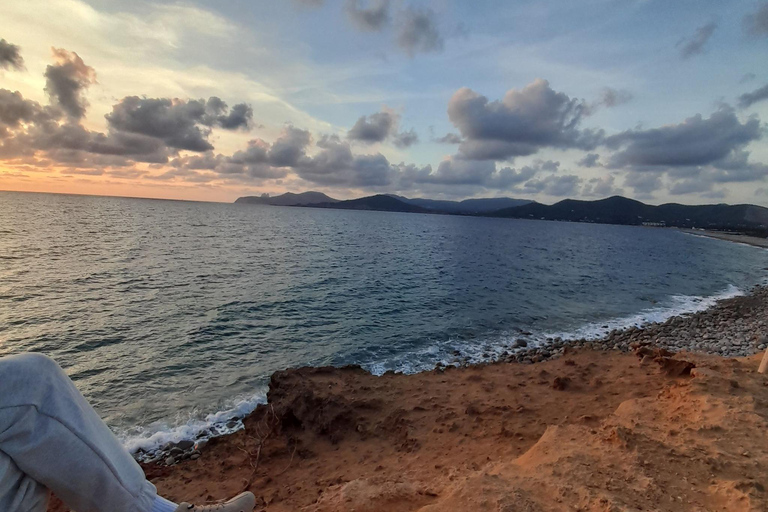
(619, 423)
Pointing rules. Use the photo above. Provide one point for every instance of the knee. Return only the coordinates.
(28, 368)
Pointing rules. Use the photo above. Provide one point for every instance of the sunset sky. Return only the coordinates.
(655, 100)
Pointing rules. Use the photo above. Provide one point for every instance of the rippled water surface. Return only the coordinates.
(165, 313)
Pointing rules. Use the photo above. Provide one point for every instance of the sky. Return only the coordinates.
(654, 100)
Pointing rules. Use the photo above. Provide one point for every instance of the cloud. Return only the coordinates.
(10, 56)
(406, 139)
(67, 80)
(259, 160)
(470, 175)
(335, 165)
(310, 3)
(644, 184)
(15, 110)
(694, 44)
(695, 141)
(373, 17)
(756, 23)
(417, 31)
(289, 149)
(690, 186)
(520, 124)
(750, 98)
(449, 138)
(374, 128)
(602, 187)
(558, 186)
(610, 97)
(181, 124)
(590, 160)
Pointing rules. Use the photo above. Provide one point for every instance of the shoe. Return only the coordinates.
(244, 502)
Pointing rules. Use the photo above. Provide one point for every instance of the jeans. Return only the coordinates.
(51, 438)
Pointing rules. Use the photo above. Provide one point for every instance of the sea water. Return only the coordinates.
(170, 316)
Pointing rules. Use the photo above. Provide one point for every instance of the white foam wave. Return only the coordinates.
(493, 349)
(148, 440)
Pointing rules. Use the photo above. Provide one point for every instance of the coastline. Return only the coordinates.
(511, 431)
(729, 237)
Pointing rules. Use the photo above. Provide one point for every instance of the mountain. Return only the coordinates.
(467, 206)
(620, 210)
(381, 202)
(288, 199)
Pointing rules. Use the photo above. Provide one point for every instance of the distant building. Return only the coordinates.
(661, 224)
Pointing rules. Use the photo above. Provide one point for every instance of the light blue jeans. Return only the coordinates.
(51, 438)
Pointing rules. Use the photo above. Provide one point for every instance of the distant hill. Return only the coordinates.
(467, 206)
(620, 210)
(746, 218)
(288, 199)
(381, 202)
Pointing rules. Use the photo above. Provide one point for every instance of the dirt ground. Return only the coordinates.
(591, 431)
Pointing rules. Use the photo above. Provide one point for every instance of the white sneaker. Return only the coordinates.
(244, 502)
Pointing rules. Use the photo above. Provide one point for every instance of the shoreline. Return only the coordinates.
(522, 347)
(729, 237)
(344, 439)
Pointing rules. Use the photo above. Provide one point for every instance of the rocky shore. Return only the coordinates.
(616, 424)
(734, 327)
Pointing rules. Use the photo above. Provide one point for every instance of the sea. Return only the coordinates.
(170, 316)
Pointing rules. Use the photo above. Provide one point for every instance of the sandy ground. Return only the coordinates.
(731, 237)
(590, 431)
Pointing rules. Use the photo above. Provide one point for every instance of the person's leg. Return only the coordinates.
(18, 491)
(50, 436)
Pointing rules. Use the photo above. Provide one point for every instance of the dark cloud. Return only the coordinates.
(181, 124)
(335, 165)
(750, 98)
(695, 141)
(590, 160)
(520, 124)
(289, 149)
(240, 117)
(690, 186)
(10, 56)
(373, 128)
(417, 31)
(602, 187)
(67, 80)
(470, 175)
(694, 44)
(372, 16)
(405, 139)
(449, 138)
(15, 110)
(644, 184)
(756, 23)
(558, 186)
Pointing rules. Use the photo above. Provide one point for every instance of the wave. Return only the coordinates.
(494, 348)
(145, 442)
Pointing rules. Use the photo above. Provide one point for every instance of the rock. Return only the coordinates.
(186, 444)
(170, 461)
(176, 451)
(560, 383)
(195, 455)
(520, 343)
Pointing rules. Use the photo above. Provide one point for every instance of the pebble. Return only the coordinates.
(732, 328)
